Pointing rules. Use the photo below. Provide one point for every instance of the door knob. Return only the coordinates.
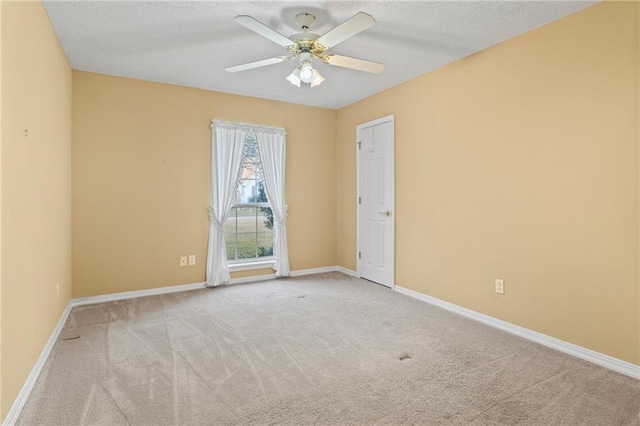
(387, 213)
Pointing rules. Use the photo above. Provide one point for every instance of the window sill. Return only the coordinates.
(248, 266)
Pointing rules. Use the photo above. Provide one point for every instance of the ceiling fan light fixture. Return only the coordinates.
(305, 73)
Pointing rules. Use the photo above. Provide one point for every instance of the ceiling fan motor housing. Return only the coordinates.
(306, 42)
(305, 20)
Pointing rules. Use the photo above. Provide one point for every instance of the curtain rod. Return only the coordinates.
(251, 127)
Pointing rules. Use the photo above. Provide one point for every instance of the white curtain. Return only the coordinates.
(271, 149)
(227, 148)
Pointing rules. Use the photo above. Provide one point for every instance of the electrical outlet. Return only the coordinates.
(58, 289)
(192, 259)
(183, 260)
(499, 286)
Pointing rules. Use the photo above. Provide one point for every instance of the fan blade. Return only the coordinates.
(352, 26)
(257, 64)
(353, 63)
(263, 30)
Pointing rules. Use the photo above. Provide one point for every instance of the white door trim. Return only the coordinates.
(359, 127)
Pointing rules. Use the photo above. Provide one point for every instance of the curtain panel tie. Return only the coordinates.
(213, 220)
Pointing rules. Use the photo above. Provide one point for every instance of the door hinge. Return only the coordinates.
(359, 144)
(359, 200)
(359, 255)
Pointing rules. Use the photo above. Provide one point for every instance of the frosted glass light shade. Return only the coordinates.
(307, 73)
(317, 80)
(294, 77)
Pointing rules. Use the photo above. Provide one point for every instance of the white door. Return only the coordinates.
(375, 201)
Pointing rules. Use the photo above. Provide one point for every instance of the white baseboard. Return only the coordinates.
(313, 271)
(186, 287)
(23, 395)
(557, 344)
(346, 271)
(91, 300)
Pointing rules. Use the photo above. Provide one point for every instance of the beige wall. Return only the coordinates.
(36, 189)
(520, 163)
(141, 166)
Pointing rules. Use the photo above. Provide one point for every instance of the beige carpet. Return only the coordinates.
(324, 349)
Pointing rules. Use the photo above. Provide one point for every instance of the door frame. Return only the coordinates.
(389, 118)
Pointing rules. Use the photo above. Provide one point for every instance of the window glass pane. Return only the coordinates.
(250, 176)
(265, 232)
(247, 187)
(248, 232)
(230, 234)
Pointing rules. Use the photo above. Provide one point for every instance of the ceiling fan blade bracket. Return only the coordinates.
(317, 49)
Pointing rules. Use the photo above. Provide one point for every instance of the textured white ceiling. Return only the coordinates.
(190, 43)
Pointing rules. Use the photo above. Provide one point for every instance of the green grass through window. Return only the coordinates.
(246, 235)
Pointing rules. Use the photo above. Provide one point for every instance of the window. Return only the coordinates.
(248, 231)
(240, 174)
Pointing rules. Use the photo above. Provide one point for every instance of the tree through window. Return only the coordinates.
(248, 230)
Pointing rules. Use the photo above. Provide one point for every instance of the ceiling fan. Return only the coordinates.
(308, 46)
